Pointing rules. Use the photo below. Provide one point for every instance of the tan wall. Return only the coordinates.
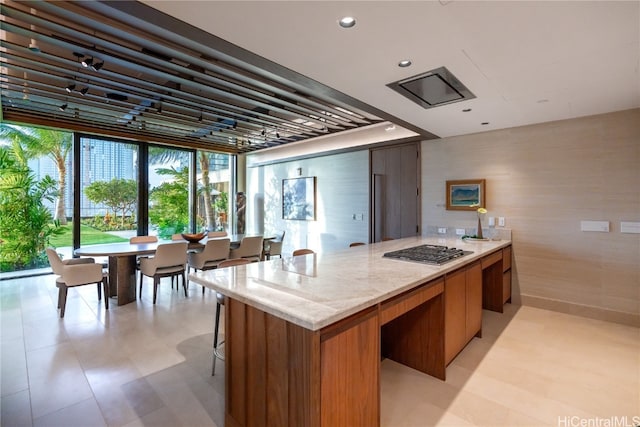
(545, 179)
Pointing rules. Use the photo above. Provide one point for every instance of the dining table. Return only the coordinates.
(122, 261)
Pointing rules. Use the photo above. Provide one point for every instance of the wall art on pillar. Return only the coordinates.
(299, 198)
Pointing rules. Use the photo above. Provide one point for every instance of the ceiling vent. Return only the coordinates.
(433, 88)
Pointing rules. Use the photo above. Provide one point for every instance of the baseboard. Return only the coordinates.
(629, 319)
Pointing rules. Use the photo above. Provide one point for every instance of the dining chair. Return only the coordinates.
(169, 261)
(250, 248)
(142, 239)
(272, 247)
(215, 234)
(77, 272)
(215, 251)
(217, 354)
(177, 236)
(303, 252)
(351, 245)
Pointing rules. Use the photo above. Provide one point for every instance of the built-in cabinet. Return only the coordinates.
(463, 308)
(506, 275)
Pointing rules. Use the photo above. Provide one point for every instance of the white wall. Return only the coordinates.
(342, 191)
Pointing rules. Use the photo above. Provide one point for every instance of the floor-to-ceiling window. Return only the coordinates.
(170, 191)
(214, 186)
(115, 189)
(108, 190)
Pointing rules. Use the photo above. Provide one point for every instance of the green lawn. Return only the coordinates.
(90, 236)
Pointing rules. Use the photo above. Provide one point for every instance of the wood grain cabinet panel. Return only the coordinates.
(454, 314)
(416, 337)
(463, 308)
(350, 380)
(473, 284)
(282, 375)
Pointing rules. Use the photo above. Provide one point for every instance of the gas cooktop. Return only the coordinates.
(428, 254)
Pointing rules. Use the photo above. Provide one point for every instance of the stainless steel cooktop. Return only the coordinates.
(428, 254)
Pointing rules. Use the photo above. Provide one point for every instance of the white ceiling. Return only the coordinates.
(526, 62)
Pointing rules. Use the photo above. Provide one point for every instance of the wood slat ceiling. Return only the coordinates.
(156, 79)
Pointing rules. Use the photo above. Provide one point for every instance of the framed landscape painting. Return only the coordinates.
(299, 198)
(465, 195)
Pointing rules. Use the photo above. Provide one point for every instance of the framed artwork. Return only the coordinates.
(299, 198)
(465, 195)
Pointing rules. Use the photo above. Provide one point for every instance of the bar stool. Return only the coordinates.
(217, 354)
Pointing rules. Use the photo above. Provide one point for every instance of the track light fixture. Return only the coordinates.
(263, 132)
(84, 91)
(71, 87)
(87, 62)
(97, 66)
(63, 107)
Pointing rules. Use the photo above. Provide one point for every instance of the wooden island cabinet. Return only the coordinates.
(463, 308)
(305, 335)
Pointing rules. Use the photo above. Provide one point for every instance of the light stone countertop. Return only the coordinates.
(314, 291)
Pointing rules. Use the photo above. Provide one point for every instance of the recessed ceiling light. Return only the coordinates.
(347, 22)
(466, 110)
(404, 63)
(390, 128)
(484, 123)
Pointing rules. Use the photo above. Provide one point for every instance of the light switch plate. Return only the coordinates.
(492, 221)
(602, 226)
(442, 230)
(629, 227)
(459, 231)
(501, 221)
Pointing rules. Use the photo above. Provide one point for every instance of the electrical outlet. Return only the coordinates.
(442, 230)
(501, 221)
(459, 231)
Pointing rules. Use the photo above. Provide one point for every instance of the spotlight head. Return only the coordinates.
(87, 62)
(63, 107)
(33, 46)
(277, 135)
(97, 66)
(71, 87)
(84, 91)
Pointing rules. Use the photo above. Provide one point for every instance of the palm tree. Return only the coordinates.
(163, 155)
(38, 142)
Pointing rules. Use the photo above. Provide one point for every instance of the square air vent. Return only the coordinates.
(433, 88)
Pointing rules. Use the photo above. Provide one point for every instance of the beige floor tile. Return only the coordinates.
(15, 409)
(86, 412)
(149, 365)
(13, 372)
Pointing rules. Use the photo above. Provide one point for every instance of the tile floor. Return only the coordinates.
(146, 365)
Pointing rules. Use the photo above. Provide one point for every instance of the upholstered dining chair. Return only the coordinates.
(250, 248)
(143, 239)
(76, 272)
(217, 354)
(169, 261)
(273, 247)
(303, 252)
(215, 234)
(215, 251)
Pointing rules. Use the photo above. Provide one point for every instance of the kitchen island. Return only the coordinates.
(305, 335)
